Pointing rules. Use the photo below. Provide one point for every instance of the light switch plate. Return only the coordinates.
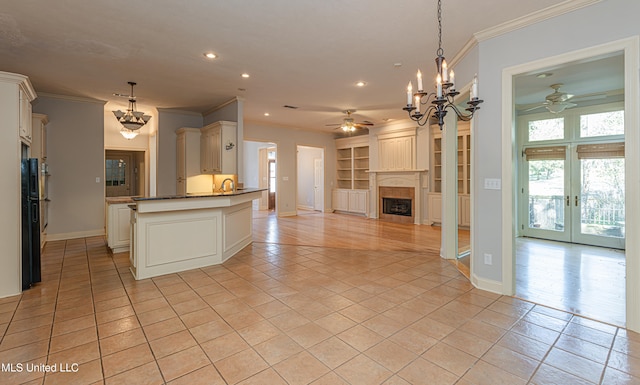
(492, 184)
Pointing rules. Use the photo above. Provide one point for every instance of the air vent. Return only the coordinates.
(292, 107)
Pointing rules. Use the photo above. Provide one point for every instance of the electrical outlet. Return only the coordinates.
(488, 259)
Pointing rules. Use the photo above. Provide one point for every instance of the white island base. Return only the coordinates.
(175, 234)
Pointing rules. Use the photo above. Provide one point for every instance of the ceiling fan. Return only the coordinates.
(555, 102)
(349, 124)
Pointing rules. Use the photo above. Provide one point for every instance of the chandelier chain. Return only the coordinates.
(440, 50)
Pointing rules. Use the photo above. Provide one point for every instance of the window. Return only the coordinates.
(115, 172)
(601, 124)
(546, 129)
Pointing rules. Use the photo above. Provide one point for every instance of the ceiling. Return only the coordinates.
(304, 53)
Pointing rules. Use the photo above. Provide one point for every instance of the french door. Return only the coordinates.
(574, 193)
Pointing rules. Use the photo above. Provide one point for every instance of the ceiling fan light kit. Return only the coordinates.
(131, 120)
(438, 102)
(349, 125)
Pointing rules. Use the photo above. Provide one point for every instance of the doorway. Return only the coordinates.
(574, 191)
(628, 50)
(124, 173)
(310, 178)
(263, 154)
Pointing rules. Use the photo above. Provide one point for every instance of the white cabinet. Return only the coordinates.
(24, 122)
(434, 203)
(353, 201)
(352, 170)
(16, 94)
(340, 200)
(118, 224)
(39, 136)
(464, 210)
(397, 154)
(218, 148)
(187, 158)
(358, 201)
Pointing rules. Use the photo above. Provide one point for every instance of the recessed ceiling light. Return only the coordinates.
(544, 75)
(210, 55)
(266, 114)
(245, 75)
(361, 84)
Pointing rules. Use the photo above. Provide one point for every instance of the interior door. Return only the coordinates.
(318, 185)
(118, 175)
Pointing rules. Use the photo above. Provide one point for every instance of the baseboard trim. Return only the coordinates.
(487, 284)
(287, 213)
(74, 235)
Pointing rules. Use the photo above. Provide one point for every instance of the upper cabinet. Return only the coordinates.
(218, 148)
(24, 123)
(39, 136)
(397, 150)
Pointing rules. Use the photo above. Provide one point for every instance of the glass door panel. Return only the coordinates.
(546, 194)
(599, 203)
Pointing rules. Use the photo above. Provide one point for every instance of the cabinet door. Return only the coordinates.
(181, 156)
(464, 210)
(210, 156)
(181, 166)
(434, 201)
(25, 117)
(341, 200)
(358, 201)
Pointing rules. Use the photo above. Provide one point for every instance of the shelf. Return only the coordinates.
(352, 165)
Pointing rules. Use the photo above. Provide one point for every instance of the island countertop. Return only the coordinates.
(201, 195)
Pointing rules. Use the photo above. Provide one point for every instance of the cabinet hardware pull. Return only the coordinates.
(576, 200)
(568, 201)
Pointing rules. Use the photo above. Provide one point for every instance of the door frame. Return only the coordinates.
(630, 48)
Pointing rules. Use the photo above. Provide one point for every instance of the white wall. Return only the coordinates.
(306, 175)
(287, 140)
(75, 154)
(168, 122)
(594, 25)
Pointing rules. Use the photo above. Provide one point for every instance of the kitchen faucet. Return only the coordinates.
(232, 185)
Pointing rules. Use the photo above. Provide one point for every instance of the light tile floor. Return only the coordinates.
(277, 314)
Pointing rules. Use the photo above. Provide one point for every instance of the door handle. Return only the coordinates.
(568, 201)
(576, 201)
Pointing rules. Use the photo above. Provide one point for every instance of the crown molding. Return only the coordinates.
(178, 111)
(216, 108)
(72, 98)
(533, 18)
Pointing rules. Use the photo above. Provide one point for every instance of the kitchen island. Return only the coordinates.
(176, 233)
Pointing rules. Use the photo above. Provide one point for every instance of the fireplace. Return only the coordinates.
(396, 204)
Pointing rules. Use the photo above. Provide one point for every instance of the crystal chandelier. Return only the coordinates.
(438, 102)
(131, 120)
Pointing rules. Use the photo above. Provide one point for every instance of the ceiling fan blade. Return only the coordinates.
(334, 124)
(529, 107)
(363, 124)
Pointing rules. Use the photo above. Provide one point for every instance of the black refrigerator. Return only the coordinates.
(30, 223)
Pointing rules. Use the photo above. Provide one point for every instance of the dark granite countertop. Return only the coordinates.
(201, 195)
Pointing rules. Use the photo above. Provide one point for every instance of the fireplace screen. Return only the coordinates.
(396, 206)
